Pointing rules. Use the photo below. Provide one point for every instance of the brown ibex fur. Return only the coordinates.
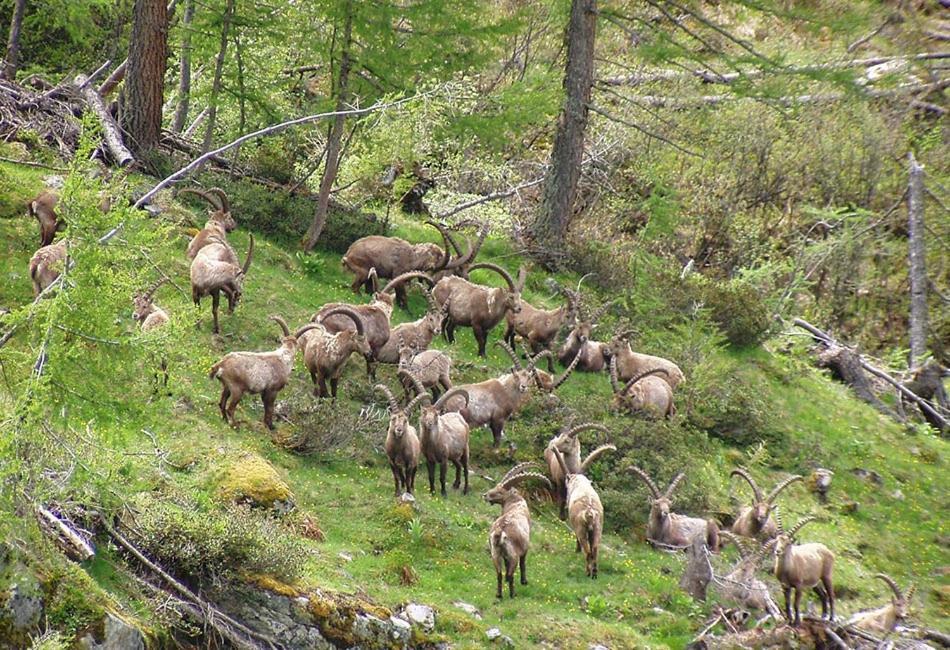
(884, 619)
(645, 392)
(667, 528)
(756, 520)
(46, 265)
(593, 354)
(219, 224)
(326, 354)
(150, 317)
(510, 534)
(418, 333)
(402, 443)
(630, 363)
(444, 438)
(539, 327)
(43, 208)
(569, 444)
(803, 566)
(585, 513)
(210, 276)
(431, 367)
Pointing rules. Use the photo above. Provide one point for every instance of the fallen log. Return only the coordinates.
(64, 534)
(111, 135)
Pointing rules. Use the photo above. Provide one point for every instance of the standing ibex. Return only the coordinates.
(417, 334)
(510, 534)
(43, 208)
(585, 513)
(219, 224)
(432, 368)
(476, 306)
(666, 528)
(630, 363)
(645, 392)
(593, 354)
(569, 445)
(884, 619)
(259, 373)
(210, 275)
(803, 566)
(756, 520)
(539, 327)
(402, 443)
(444, 438)
(326, 354)
(46, 265)
(150, 317)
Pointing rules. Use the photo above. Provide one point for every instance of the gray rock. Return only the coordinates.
(420, 615)
(405, 497)
(346, 557)
(468, 609)
(116, 635)
(493, 633)
(597, 646)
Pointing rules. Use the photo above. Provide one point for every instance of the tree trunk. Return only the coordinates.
(216, 83)
(917, 263)
(145, 79)
(184, 69)
(560, 187)
(12, 59)
(242, 99)
(334, 141)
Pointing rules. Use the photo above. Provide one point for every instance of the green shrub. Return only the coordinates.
(737, 307)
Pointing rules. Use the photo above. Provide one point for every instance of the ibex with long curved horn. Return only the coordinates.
(585, 512)
(444, 438)
(569, 444)
(756, 520)
(402, 442)
(539, 327)
(630, 363)
(417, 334)
(219, 224)
(510, 534)
(884, 619)
(802, 566)
(325, 354)
(741, 585)
(580, 341)
(667, 528)
(647, 392)
(211, 275)
(462, 262)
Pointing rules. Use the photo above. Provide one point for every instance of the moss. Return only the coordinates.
(251, 479)
(74, 602)
(272, 584)
(335, 615)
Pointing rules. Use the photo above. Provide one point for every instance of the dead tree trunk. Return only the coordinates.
(335, 140)
(184, 70)
(111, 134)
(145, 79)
(916, 264)
(560, 187)
(12, 59)
(216, 83)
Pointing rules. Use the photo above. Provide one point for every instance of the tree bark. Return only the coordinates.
(916, 263)
(145, 79)
(560, 188)
(184, 70)
(216, 83)
(12, 59)
(334, 141)
(111, 134)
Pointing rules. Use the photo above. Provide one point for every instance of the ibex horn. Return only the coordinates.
(225, 203)
(781, 486)
(497, 269)
(399, 279)
(646, 479)
(203, 194)
(756, 492)
(393, 403)
(511, 353)
(350, 313)
(283, 324)
(449, 394)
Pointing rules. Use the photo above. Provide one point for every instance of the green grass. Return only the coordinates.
(636, 601)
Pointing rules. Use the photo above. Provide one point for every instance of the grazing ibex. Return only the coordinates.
(259, 373)
(666, 528)
(539, 327)
(432, 368)
(444, 438)
(593, 354)
(756, 520)
(475, 305)
(46, 265)
(326, 354)
(219, 224)
(211, 275)
(43, 208)
(402, 443)
(630, 363)
(645, 392)
(569, 445)
(510, 534)
(884, 619)
(585, 513)
(418, 333)
(802, 566)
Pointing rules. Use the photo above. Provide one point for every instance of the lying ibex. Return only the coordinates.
(219, 224)
(668, 529)
(402, 443)
(740, 585)
(593, 354)
(645, 392)
(802, 566)
(630, 363)
(46, 265)
(475, 305)
(539, 327)
(884, 619)
(756, 520)
(585, 513)
(569, 445)
(444, 439)
(418, 333)
(432, 368)
(43, 208)
(210, 276)
(258, 373)
(376, 317)
(326, 354)
(510, 534)
(150, 317)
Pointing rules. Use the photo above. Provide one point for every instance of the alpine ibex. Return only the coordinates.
(756, 520)
(630, 363)
(444, 438)
(884, 619)
(461, 265)
(210, 276)
(219, 224)
(43, 208)
(802, 566)
(539, 327)
(432, 368)
(510, 534)
(258, 373)
(740, 586)
(326, 354)
(46, 265)
(666, 528)
(569, 444)
(475, 305)
(150, 317)
(417, 334)
(402, 443)
(585, 513)
(645, 392)
(593, 354)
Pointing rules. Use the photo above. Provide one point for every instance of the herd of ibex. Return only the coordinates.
(448, 413)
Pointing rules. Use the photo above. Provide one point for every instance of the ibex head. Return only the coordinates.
(506, 487)
(660, 502)
(220, 211)
(762, 505)
(144, 303)
(513, 295)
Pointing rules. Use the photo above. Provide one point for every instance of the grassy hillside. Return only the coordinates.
(103, 408)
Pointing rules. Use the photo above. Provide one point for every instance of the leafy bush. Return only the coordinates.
(737, 307)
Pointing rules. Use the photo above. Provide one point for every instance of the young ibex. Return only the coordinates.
(46, 265)
(669, 529)
(326, 354)
(219, 224)
(539, 327)
(510, 534)
(210, 275)
(569, 445)
(585, 514)
(593, 354)
(630, 363)
(444, 439)
(432, 368)
(476, 306)
(802, 566)
(756, 520)
(258, 373)
(418, 333)
(43, 208)
(376, 317)
(884, 619)
(150, 317)
(645, 392)
(402, 443)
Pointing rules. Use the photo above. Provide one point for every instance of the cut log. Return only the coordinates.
(111, 135)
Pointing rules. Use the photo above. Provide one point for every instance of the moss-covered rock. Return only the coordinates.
(251, 479)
